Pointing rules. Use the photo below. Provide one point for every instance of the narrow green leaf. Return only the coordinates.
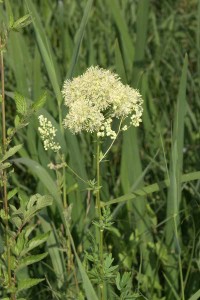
(45, 49)
(79, 38)
(172, 287)
(196, 296)
(40, 102)
(29, 260)
(89, 290)
(12, 193)
(128, 48)
(20, 243)
(36, 203)
(9, 13)
(155, 187)
(21, 22)
(174, 191)
(57, 257)
(25, 284)
(35, 242)
(11, 152)
(119, 63)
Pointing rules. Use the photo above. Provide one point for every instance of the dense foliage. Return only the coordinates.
(149, 185)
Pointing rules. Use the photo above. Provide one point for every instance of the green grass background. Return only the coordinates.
(154, 46)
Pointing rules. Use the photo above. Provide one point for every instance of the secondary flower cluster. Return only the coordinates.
(48, 133)
(95, 98)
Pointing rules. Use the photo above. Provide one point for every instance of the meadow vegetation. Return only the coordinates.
(96, 219)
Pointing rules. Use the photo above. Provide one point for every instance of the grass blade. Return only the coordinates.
(56, 256)
(196, 296)
(174, 191)
(147, 190)
(128, 48)
(46, 53)
(79, 38)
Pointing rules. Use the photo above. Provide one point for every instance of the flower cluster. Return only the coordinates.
(97, 97)
(48, 133)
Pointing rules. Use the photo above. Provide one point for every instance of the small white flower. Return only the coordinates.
(124, 128)
(47, 133)
(95, 98)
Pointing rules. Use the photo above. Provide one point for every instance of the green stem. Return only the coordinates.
(70, 264)
(4, 173)
(64, 185)
(179, 263)
(99, 215)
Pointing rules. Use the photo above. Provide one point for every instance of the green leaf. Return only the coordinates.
(174, 191)
(21, 104)
(36, 241)
(155, 187)
(4, 166)
(128, 48)
(196, 296)
(56, 256)
(11, 152)
(17, 221)
(45, 49)
(36, 203)
(21, 22)
(17, 121)
(117, 281)
(89, 290)
(79, 38)
(40, 102)
(29, 229)
(29, 260)
(20, 243)
(39, 201)
(9, 13)
(25, 284)
(12, 193)
(171, 287)
(126, 277)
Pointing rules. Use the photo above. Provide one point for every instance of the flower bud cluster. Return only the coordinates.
(95, 98)
(48, 133)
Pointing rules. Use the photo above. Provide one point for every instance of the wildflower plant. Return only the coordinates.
(94, 100)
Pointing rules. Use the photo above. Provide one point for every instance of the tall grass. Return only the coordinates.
(151, 176)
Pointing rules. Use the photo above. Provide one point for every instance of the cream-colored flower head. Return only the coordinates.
(95, 98)
(48, 132)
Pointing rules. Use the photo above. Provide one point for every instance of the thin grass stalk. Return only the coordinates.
(70, 264)
(98, 213)
(179, 263)
(4, 173)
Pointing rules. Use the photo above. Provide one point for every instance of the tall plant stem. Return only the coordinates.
(4, 173)
(179, 263)
(99, 215)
